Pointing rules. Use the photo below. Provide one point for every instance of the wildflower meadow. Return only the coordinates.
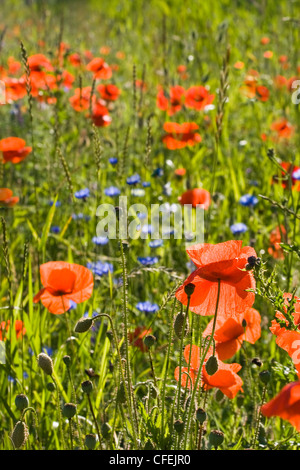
(149, 227)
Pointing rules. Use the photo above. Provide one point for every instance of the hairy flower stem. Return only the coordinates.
(126, 331)
(188, 423)
(181, 352)
(95, 420)
(59, 412)
(259, 417)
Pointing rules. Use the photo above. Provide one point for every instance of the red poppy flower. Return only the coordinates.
(80, 101)
(197, 97)
(175, 101)
(288, 169)
(39, 62)
(239, 65)
(63, 282)
(230, 332)
(14, 149)
(100, 68)
(288, 339)
(19, 329)
(280, 81)
(136, 338)
(283, 128)
(225, 262)
(225, 379)
(100, 115)
(6, 198)
(262, 93)
(181, 135)
(196, 197)
(268, 54)
(15, 88)
(13, 66)
(285, 405)
(109, 92)
(265, 40)
(75, 59)
(275, 249)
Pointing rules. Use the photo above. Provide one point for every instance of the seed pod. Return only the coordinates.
(83, 325)
(240, 400)
(87, 386)
(90, 441)
(50, 387)
(21, 402)
(106, 430)
(149, 341)
(178, 325)
(179, 426)
(216, 438)
(45, 363)
(200, 415)
(19, 434)
(211, 365)
(189, 289)
(265, 376)
(121, 395)
(69, 410)
(67, 360)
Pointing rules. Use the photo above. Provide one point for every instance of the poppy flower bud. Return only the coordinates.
(265, 376)
(45, 363)
(240, 400)
(87, 387)
(200, 415)
(178, 325)
(90, 441)
(19, 434)
(50, 387)
(69, 410)
(189, 289)
(211, 365)
(83, 325)
(244, 323)
(149, 341)
(179, 426)
(106, 430)
(67, 360)
(21, 402)
(216, 438)
(121, 395)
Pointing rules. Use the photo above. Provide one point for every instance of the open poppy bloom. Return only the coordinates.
(225, 378)
(100, 115)
(39, 62)
(6, 198)
(100, 68)
(275, 249)
(197, 97)
(285, 405)
(14, 149)
(181, 135)
(15, 88)
(225, 262)
(109, 92)
(283, 128)
(175, 101)
(62, 283)
(196, 197)
(19, 329)
(230, 332)
(288, 335)
(80, 101)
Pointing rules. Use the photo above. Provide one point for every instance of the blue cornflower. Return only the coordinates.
(57, 204)
(147, 307)
(113, 161)
(146, 184)
(134, 179)
(148, 260)
(238, 228)
(100, 240)
(147, 228)
(248, 200)
(156, 243)
(296, 174)
(81, 216)
(158, 172)
(55, 229)
(82, 194)
(73, 305)
(112, 191)
(99, 268)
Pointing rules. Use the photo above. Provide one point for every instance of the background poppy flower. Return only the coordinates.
(230, 332)
(80, 101)
(15, 88)
(14, 149)
(283, 128)
(225, 262)
(136, 338)
(19, 329)
(100, 116)
(275, 249)
(174, 103)
(109, 92)
(196, 197)
(6, 198)
(100, 68)
(285, 405)
(197, 97)
(181, 135)
(62, 283)
(225, 378)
